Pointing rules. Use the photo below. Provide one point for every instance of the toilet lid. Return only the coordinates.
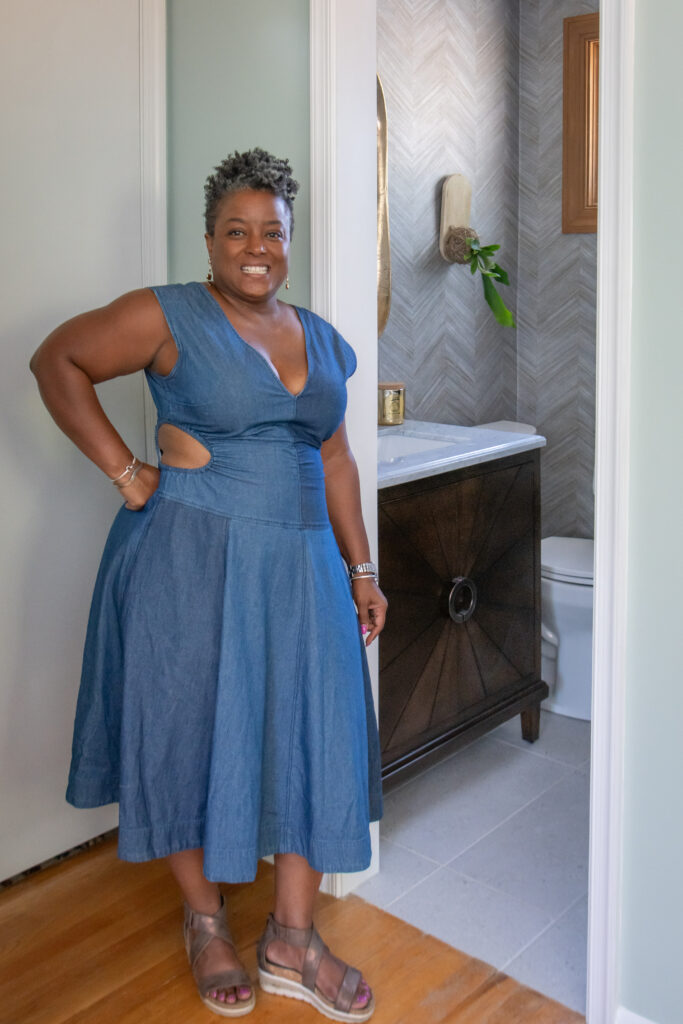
(569, 559)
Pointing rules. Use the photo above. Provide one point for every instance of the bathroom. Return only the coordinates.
(476, 89)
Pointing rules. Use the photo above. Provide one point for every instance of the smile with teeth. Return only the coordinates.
(258, 269)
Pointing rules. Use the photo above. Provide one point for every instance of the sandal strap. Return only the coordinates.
(292, 936)
(315, 950)
(223, 980)
(312, 958)
(205, 928)
(348, 989)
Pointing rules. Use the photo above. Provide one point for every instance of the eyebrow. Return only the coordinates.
(240, 220)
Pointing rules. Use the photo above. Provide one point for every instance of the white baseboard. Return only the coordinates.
(625, 1016)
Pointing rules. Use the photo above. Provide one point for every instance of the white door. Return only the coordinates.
(71, 240)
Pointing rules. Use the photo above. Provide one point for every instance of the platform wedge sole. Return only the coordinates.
(279, 986)
(239, 1009)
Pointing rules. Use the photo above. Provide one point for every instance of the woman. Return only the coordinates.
(225, 699)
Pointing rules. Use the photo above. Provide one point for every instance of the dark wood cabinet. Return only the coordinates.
(460, 566)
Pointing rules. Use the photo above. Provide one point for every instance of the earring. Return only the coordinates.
(287, 282)
(209, 276)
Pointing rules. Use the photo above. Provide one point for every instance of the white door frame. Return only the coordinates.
(613, 396)
(615, 245)
(612, 433)
(153, 207)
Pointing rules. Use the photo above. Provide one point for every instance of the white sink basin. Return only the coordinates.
(418, 449)
(391, 447)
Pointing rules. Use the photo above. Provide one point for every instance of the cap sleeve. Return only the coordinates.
(350, 362)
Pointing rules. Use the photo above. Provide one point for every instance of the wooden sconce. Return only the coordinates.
(580, 125)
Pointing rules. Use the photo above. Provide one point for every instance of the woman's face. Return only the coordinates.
(249, 248)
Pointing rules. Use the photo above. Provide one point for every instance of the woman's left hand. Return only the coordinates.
(371, 605)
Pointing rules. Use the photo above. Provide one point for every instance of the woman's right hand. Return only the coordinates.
(138, 493)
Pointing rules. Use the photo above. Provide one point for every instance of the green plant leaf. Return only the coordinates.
(474, 266)
(498, 307)
(500, 274)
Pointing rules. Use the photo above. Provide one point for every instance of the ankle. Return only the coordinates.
(293, 921)
(208, 904)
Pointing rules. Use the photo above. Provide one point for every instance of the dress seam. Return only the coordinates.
(244, 519)
(297, 677)
(136, 552)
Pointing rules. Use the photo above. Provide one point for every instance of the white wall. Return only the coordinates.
(237, 78)
(652, 915)
(70, 211)
(355, 260)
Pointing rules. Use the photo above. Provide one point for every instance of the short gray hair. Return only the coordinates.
(255, 169)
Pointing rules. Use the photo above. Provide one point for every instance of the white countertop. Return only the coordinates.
(417, 449)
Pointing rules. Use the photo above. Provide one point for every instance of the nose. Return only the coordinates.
(255, 243)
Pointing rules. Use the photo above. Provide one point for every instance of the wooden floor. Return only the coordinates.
(97, 941)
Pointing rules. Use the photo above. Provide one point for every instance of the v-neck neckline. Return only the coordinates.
(270, 366)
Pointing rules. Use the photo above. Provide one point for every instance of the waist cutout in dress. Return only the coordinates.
(280, 482)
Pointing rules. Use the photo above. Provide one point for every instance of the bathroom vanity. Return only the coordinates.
(459, 548)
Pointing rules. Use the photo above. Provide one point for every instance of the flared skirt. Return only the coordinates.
(225, 698)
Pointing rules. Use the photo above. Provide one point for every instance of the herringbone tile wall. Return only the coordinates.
(556, 285)
(475, 86)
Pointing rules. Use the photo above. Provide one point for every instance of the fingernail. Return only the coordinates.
(363, 629)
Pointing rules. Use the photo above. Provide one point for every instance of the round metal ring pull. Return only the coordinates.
(462, 599)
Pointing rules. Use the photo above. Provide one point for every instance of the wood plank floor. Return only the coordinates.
(96, 941)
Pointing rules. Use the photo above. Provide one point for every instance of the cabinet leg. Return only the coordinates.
(531, 723)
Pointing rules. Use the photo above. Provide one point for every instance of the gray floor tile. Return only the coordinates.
(562, 738)
(452, 805)
(540, 855)
(399, 870)
(470, 916)
(555, 963)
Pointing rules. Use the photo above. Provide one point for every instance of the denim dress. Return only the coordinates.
(225, 697)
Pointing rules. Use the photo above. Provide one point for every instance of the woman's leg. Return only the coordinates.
(296, 885)
(204, 897)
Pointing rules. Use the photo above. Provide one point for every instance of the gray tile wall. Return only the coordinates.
(556, 285)
(475, 86)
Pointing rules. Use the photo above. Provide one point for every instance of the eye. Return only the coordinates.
(235, 231)
(275, 234)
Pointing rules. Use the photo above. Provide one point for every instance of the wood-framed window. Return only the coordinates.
(580, 125)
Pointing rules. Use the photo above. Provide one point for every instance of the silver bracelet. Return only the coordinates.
(128, 469)
(133, 470)
(364, 570)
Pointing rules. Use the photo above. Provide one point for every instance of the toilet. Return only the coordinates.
(566, 614)
(567, 624)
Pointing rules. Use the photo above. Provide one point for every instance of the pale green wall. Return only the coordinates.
(652, 974)
(237, 78)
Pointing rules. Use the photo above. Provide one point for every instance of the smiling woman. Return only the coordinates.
(225, 699)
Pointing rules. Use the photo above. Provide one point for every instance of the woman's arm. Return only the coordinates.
(127, 335)
(342, 491)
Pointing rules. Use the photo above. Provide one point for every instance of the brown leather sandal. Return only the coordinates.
(198, 931)
(287, 981)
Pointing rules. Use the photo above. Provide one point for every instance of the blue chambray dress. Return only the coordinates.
(225, 696)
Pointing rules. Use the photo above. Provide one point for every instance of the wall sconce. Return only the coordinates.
(456, 202)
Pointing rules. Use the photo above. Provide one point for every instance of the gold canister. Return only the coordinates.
(390, 402)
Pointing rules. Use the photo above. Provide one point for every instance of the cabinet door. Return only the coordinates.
(436, 672)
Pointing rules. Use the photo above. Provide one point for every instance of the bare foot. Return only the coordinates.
(330, 972)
